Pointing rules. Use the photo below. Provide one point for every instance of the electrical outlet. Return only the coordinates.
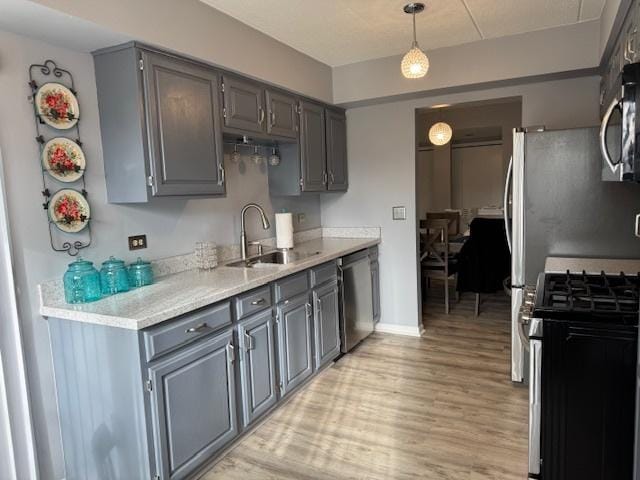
(302, 218)
(137, 242)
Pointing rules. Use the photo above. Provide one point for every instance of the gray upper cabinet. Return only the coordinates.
(282, 114)
(336, 151)
(294, 342)
(313, 156)
(160, 125)
(193, 406)
(257, 365)
(243, 105)
(327, 327)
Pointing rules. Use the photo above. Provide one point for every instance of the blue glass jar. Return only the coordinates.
(81, 282)
(140, 273)
(114, 277)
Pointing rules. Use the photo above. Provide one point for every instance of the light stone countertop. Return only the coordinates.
(177, 294)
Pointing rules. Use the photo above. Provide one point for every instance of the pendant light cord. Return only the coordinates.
(415, 42)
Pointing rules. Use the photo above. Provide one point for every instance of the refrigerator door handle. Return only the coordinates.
(615, 104)
(505, 204)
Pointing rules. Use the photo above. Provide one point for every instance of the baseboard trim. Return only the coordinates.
(394, 329)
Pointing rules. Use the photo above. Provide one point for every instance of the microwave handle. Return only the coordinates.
(603, 134)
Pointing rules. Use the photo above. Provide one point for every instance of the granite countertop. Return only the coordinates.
(177, 294)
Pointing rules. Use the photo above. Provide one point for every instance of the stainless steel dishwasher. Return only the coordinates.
(356, 319)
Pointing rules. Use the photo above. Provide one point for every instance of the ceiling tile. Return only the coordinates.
(591, 9)
(498, 18)
(343, 32)
(348, 31)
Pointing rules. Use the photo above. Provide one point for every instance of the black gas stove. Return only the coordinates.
(583, 342)
(587, 297)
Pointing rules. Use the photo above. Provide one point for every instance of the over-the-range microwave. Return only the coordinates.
(620, 130)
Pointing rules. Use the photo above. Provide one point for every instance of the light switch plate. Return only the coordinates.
(302, 218)
(399, 213)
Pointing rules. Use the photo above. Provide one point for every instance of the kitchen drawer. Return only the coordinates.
(324, 273)
(176, 333)
(252, 302)
(291, 286)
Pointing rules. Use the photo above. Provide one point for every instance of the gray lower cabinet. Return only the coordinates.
(160, 125)
(294, 342)
(313, 155)
(243, 105)
(336, 127)
(193, 405)
(258, 370)
(327, 323)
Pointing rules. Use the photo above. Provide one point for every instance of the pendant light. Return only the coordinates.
(440, 133)
(415, 63)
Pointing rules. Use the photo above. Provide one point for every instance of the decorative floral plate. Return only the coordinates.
(63, 159)
(57, 106)
(69, 210)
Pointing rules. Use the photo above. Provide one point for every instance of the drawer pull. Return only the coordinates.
(260, 301)
(197, 328)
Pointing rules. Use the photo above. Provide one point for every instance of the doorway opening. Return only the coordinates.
(460, 185)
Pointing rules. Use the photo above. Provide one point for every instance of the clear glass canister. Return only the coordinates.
(114, 277)
(81, 282)
(140, 273)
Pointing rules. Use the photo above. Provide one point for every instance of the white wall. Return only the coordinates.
(172, 225)
(545, 52)
(381, 148)
(193, 28)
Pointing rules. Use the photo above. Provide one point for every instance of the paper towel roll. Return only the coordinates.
(284, 230)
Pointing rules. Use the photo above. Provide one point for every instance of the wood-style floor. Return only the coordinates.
(437, 407)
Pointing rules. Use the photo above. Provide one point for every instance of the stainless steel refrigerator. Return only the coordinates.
(559, 206)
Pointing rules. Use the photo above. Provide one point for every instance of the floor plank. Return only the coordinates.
(439, 407)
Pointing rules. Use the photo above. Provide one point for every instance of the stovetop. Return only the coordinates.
(587, 297)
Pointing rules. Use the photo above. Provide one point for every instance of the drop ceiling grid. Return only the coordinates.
(347, 31)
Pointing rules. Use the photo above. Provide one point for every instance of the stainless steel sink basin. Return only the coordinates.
(277, 257)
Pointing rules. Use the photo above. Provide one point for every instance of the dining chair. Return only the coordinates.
(436, 260)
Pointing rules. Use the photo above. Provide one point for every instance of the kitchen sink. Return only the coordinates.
(277, 257)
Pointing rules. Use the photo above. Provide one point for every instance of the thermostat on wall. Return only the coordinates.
(399, 213)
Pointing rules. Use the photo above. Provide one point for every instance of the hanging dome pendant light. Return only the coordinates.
(440, 132)
(415, 63)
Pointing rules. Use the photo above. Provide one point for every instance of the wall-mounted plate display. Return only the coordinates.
(69, 210)
(63, 159)
(57, 106)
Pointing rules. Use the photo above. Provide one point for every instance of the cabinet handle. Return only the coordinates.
(318, 307)
(221, 178)
(307, 308)
(272, 118)
(231, 353)
(324, 178)
(332, 177)
(261, 112)
(197, 328)
(260, 301)
(248, 342)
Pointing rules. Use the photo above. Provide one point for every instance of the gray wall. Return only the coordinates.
(194, 28)
(546, 52)
(172, 225)
(382, 173)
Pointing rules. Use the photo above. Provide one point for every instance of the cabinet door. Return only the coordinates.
(193, 406)
(337, 151)
(375, 284)
(185, 138)
(326, 321)
(257, 365)
(282, 115)
(243, 105)
(294, 342)
(313, 148)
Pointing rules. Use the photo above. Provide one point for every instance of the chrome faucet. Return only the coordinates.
(243, 234)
